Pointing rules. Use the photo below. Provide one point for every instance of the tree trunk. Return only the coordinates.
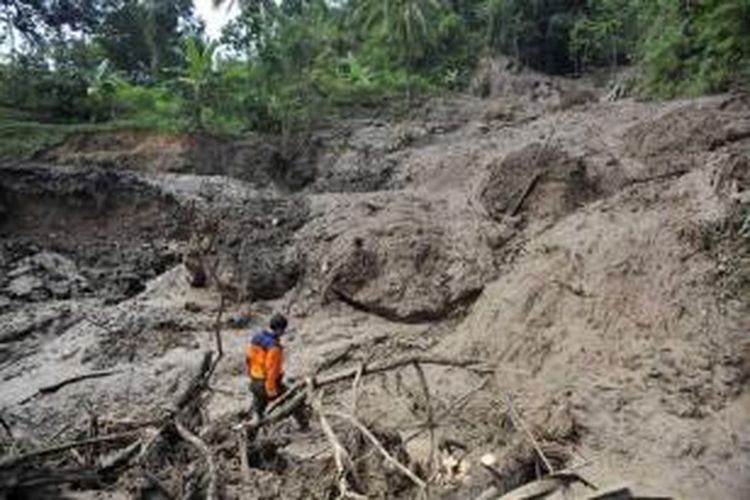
(12, 37)
(198, 109)
(149, 35)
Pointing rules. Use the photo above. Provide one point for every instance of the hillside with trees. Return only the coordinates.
(282, 63)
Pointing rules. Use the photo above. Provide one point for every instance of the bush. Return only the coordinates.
(147, 106)
(29, 85)
(693, 49)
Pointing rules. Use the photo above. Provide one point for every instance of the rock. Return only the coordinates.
(499, 234)
(27, 287)
(239, 322)
(53, 263)
(193, 307)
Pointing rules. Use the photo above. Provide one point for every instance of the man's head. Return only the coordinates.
(278, 324)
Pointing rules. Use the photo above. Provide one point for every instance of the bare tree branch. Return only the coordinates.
(430, 424)
(457, 403)
(6, 427)
(154, 481)
(217, 335)
(374, 440)
(198, 444)
(72, 380)
(340, 455)
(355, 388)
(52, 450)
(525, 193)
(518, 422)
(242, 446)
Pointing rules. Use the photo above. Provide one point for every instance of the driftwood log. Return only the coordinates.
(477, 365)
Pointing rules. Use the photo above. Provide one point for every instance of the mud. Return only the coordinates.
(57, 220)
(557, 184)
(594, 254)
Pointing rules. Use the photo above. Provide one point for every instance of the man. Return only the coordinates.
(265, 357)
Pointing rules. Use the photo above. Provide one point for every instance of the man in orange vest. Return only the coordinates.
(265, 358)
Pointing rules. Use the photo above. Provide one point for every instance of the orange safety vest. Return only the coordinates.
(264, 359)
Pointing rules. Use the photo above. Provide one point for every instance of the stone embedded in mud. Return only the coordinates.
(27, 287)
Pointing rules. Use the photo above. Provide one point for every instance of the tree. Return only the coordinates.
(143, 38)
(534, 32)
(406, 26)
(694, 48)
(198, 75)
(35, 19)
(102, 87)
(606, 33)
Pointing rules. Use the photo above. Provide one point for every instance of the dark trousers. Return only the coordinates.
(261, 400)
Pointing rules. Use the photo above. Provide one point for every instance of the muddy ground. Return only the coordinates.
(595, 256)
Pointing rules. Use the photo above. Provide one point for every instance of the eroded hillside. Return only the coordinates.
(593, 256)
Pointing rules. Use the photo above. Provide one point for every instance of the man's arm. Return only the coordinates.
(248, 360)
(273, 371)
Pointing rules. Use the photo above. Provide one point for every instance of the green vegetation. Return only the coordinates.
(281, 65)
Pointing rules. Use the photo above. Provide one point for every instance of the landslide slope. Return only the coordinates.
(594, 254)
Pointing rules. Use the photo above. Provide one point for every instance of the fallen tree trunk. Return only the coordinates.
(379, 368)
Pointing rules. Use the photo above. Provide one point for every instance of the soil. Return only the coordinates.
(595, 255)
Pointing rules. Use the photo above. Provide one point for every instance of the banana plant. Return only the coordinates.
(101, 90)
(197, 77)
